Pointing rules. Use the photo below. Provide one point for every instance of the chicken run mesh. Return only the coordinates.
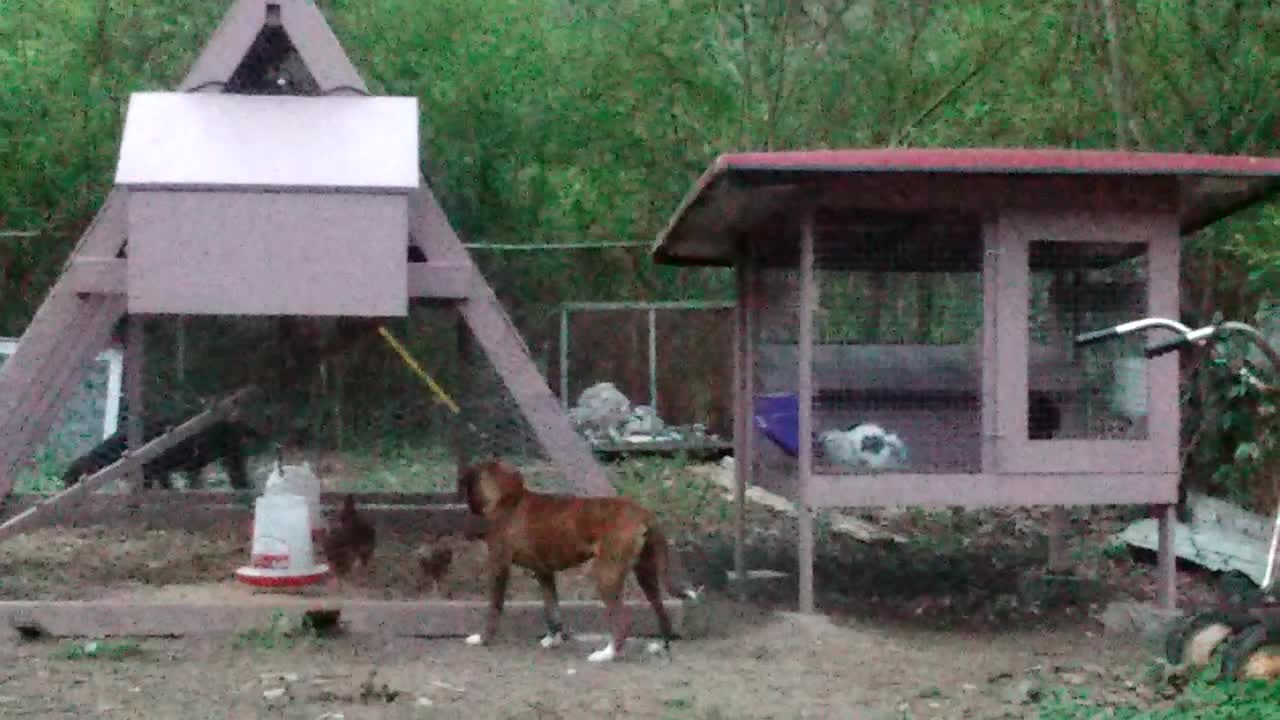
(898, 347)
(336, 394)
(1099, 392)
(896, 364)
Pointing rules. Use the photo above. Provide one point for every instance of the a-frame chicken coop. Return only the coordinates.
(271, 183)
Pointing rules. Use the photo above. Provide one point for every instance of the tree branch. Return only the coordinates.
(987, 59)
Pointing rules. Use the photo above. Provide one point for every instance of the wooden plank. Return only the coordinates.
(990, 343)
(185, 499)
(993, 490)
(49, 360)
(268, 254)
(648, 305)
(307, 29)
(1157, 453)
(440, 280)
(280, 143)
(564, 360)
(227, 46)
(498, 337)
(808, 299)
(742, 427)
(1167, 561)
(1164, 409)
(409, 618)
(97, 276)
(941, 370)
(135, 388)
(653, 359)
(320, 49)
(663, 447)
(1058, 525)
(130, 462)
(151, 511)
(60, 374)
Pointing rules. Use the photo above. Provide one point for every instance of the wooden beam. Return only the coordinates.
(646, 305)
(175, 511)
(135, 390)
(131, 461)
(993, 490)
(497, 336)
(564, 359)
(653, 359)
(804, 506)
(182, 500)
(405, 618)
(227, 46)
(307, 29)
(440, 280)
(58, 376)
(320, 49)
(97, 276)
(1167, 561)
(742, 425)
(1058, 526)
(63, 338)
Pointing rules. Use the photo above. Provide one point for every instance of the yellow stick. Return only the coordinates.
(441, 395)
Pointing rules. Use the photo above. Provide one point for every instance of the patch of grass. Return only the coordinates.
(283, 633)
(680, 708)
(677, 707)
(101, 650)
(669, 488)
(1202, 699)
(402, 467)
(1115, 551)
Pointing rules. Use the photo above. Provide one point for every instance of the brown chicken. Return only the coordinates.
(351, 539)
(435, 562)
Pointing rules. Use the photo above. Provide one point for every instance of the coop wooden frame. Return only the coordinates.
(420, 257)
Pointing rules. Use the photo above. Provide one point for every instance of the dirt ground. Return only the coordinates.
(958, 622)
(97, 562)
(756, 665)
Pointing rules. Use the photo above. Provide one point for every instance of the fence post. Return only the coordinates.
(564, 358)
(653, 359)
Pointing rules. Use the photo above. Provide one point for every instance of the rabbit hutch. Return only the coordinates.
(906, 322)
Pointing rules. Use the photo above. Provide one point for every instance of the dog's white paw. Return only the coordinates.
(552, 640)
(476, 639)
(657, 647)
(607, 654)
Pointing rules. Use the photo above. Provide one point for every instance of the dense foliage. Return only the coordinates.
(564, 120)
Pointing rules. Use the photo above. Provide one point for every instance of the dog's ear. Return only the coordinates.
(348, 509)
(508, 484)
(468, 485)
(491, 486)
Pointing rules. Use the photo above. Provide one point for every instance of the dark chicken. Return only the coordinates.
(435, 564)
(352, 538)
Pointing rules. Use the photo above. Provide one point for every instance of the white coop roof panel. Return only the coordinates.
(210, 141)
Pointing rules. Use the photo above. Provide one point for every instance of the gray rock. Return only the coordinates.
(1143, 622)
(1021, 692)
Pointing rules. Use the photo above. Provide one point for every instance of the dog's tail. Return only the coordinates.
(670, 568)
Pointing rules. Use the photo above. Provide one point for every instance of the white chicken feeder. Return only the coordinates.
(283, 554)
